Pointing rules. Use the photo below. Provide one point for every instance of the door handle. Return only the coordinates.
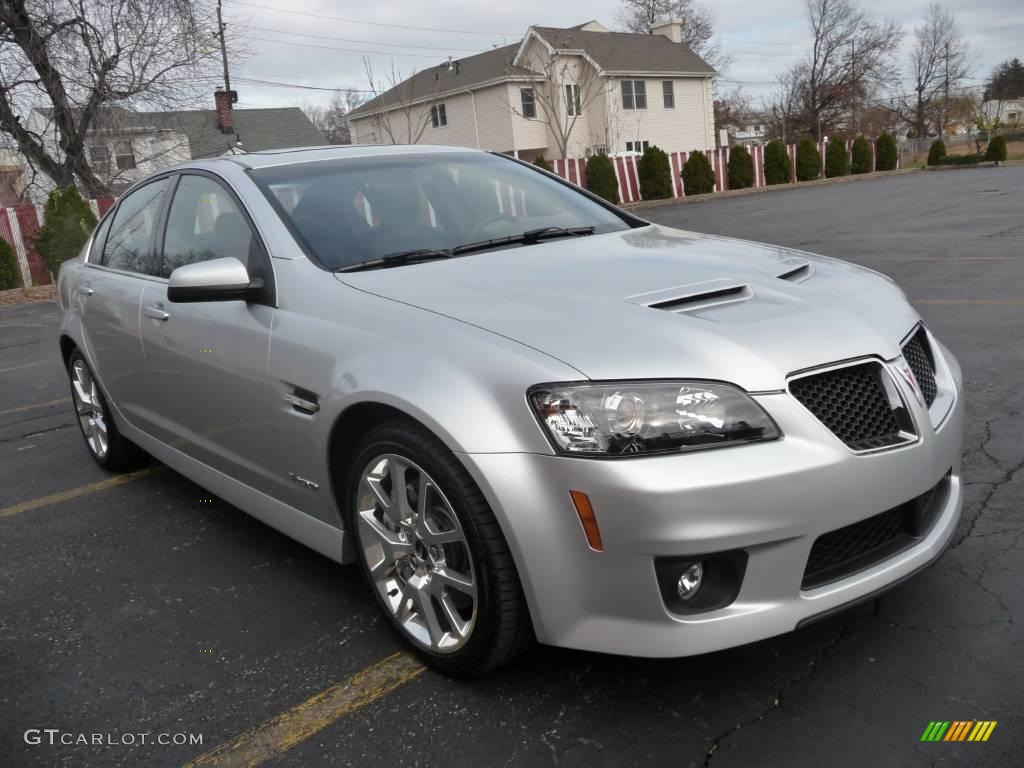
(156, 313)
(85, 290)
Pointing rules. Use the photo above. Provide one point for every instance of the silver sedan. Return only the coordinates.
(525, 413)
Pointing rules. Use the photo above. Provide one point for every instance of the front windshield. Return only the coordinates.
(350, 211)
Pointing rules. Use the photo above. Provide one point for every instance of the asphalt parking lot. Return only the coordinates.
(149, 606)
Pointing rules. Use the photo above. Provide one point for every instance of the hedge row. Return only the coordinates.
(994, 153)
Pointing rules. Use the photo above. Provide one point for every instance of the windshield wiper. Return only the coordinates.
(529, 237)
(398, 259)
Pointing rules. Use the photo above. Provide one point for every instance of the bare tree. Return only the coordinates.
(851, 58)
(698, 24)
(403, 104)
(564, 87)
(939, 62)
(79, 58)
(786, 118)
(731, 107)
(331, 119)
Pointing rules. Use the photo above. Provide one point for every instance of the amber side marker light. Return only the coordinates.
(585, 511)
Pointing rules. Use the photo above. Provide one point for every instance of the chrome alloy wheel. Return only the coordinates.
(416, 553)
(89, 407)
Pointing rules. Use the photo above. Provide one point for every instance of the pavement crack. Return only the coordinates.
(776, 702)
(36, 433)
(1008, 476)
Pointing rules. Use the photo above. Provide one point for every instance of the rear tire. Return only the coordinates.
(106, 445)
(434, 554)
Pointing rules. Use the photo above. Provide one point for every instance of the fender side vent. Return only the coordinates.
(797, 275)
(704, 299)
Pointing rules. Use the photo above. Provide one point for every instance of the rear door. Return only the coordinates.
(209, 394)
(120, 264)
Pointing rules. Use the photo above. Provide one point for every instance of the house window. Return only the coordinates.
(669, 93)
(438, 116)
(99, 159)
(124, 155)
(529, 103)
(637, 146)
(572, 100)
(634, 94)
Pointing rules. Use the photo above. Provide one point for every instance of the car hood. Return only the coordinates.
(662, 303)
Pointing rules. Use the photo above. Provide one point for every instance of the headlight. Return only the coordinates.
(627, 418)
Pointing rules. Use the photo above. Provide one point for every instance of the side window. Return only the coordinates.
(99, 238)
(131, 232)
(204, 223)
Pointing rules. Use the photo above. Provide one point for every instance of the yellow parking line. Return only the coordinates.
(35, 405)
(24, 365)
(74, 493)
(280, 733)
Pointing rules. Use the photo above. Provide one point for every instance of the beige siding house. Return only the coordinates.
(557, 93)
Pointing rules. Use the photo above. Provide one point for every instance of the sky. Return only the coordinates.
(322, 45)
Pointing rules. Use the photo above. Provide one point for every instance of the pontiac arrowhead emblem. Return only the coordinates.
(907, 373)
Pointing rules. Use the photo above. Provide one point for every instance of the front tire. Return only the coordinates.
(106, 445)
(434, 553)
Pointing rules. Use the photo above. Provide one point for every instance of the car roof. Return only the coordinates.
(313, 154)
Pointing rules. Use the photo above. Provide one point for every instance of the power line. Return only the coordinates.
(362, 42)
(346, 50)
(299, 86)
(376, 23)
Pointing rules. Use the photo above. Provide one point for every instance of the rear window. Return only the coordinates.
(348, 211)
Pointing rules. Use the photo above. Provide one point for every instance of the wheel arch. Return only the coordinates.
(67, 346)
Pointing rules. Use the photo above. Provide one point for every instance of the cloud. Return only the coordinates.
(319, 50)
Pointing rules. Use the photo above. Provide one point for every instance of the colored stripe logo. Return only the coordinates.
(958, 730)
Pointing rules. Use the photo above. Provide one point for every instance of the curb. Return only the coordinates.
(773, 188)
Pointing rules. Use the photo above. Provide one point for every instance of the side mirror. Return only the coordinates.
(224, 279)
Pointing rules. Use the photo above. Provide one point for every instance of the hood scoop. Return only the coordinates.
(691, 298)
(797, 274)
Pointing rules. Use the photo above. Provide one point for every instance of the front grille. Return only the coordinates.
(845, 551)
(918, 354)
(853, 404)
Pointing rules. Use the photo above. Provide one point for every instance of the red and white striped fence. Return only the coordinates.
(575, 170)
(19, 225)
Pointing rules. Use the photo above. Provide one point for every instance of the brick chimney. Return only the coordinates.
(670, 28)
(223, 101)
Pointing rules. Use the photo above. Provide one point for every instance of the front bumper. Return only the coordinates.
(771, 500)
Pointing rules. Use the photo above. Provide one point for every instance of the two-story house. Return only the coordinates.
(556, 93)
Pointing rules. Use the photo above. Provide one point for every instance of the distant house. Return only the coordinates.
(575, 91)
(1008, 113)
(125, 146)
(749, 130)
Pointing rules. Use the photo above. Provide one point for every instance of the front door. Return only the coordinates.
(207, 361)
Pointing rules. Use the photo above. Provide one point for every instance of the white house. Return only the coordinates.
(125, 146)
(1007, 112)
(558, 92)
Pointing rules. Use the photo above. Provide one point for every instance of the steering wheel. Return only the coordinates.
(478, 230)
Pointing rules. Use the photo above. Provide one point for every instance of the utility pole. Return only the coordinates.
(221, 26)
(945, 100)
(853, 81)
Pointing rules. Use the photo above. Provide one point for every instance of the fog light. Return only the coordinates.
(690, 581)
